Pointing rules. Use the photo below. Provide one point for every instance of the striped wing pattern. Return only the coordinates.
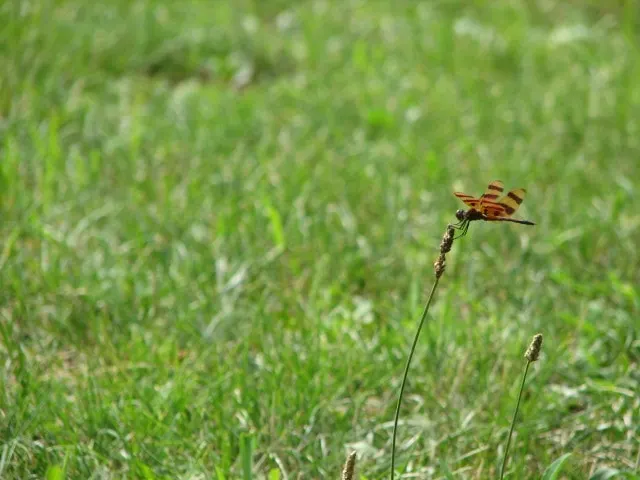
(494, 210)
(468, 199)
(512, 200)
(491, 206)
(491, 194)
(491, 203)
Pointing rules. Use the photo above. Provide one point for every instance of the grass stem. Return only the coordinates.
(404, 377)
(513, 421)
(532, 354)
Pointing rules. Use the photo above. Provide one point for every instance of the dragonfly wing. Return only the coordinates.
(512, 200)
(493, 210)
(468, 199)
(493, 191)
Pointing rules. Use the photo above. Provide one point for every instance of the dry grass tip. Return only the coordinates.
(349, 467)
(533, 352)
(445, 247)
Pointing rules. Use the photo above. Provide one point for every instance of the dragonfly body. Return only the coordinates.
(490, 207)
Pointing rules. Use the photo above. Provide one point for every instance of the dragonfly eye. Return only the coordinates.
(460, 214)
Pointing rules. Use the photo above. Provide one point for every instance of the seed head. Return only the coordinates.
(447, 240)
(439, 265)
(533, 352)
(349, 467)
(445, 247)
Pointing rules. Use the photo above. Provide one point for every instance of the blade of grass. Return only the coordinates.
(246, 455)
(553, 470)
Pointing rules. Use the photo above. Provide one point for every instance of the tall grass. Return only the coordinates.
(532, 353)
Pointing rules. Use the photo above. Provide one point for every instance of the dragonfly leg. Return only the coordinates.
(458, 226)
(464, 229)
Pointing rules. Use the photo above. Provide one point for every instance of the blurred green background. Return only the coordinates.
(219, 219)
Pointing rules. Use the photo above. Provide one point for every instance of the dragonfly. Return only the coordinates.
(492, 206)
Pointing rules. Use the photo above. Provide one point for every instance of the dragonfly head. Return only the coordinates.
(460, 214)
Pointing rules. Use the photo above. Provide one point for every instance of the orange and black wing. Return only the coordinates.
(511, 201)
(493, 210)
(491, 194)
(468, 199)
(489, 200)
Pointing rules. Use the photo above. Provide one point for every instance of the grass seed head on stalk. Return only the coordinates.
(349, 467)
(445, 247)
(447, 240)
(533, 352)
(439, 265)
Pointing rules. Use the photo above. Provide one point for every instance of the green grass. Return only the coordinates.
(218, 222)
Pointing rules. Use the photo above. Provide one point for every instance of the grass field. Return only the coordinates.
(219, 221)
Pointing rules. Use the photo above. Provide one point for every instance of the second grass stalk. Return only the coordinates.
(439, 266)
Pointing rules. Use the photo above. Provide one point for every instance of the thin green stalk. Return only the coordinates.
(513, 421)
(404, 378)
(532, 354)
